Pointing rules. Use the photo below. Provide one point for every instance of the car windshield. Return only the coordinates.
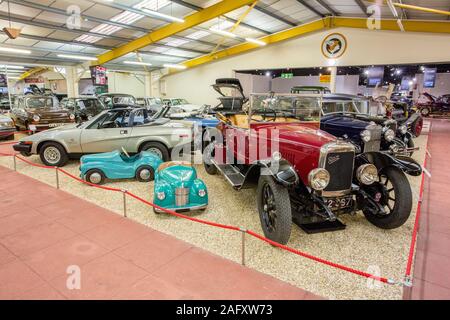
(300, 107)
(345, 106)
(167, 111)
(111, 119)
(39, 103)
(175, 102)
(90, 105)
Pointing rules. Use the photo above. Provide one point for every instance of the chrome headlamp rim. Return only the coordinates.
(389, 135)
(403, 129)
(36, 118)
(365, 135)
(367, 174)
(313, 179)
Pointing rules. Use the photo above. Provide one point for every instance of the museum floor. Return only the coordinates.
(43, 231)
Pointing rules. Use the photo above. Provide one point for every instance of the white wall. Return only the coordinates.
(344, 84)
(365, 47)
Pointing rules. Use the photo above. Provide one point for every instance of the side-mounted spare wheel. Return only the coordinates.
(393, 192)
(53, 154)
(274, 208)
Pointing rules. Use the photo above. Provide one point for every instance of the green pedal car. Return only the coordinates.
(177, 188)
(96, 168)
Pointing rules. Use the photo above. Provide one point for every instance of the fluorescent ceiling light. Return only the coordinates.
(138, 63)
(162, 15)
(174, 66)
(76, 57)
(256, 41)
(223, 33)
(14, 78)
(11, 67)
(12, 50)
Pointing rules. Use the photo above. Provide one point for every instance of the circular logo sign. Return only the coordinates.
(334, 45)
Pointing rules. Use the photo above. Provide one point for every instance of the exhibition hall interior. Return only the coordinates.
(196, 150)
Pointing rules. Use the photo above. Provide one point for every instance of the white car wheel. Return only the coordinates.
(52, 155)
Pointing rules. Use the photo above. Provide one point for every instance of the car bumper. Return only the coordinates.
(46, 126)
(184, 209)
(6, 132)
(22, 148)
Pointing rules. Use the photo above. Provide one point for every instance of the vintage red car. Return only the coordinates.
(304, 174)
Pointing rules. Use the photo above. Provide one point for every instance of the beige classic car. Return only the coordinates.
(129, 128)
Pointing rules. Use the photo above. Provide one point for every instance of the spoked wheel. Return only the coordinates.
(425, 112)
(393, 193)
(417, 127)
(274, 210)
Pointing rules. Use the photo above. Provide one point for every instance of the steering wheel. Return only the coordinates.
(267, 111)
(125, 152)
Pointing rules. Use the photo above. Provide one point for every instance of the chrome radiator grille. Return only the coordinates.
(181, 196)
(338, 158)
(375, 138)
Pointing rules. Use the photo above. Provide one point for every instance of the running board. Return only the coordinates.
(233, 176)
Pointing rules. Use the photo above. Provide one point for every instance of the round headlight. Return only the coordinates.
(36, 118)
(72, 117)
(161, 195)
(202, 193)
(367, 174)
(365, 136)
(403, 129)
(318, 178)
(389, 135)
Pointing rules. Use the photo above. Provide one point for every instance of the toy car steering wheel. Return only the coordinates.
(125, 152)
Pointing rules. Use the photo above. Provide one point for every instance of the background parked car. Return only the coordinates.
(84, 108)
(113, 100)
(130, 128)
(181, 103)
(37, 113)
(7, 128)
(428, 104)
(152, 104)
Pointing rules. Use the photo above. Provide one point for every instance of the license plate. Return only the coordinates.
(339, 203)
(53, 125)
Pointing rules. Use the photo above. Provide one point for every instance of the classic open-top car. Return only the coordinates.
(347, 116)
(37, 113)
(7, 128)
(84, 108)
(178, 188)
(303, 173)
(95, 168)
(427, 104)
(153, 105)
(183, 104)
(131, 128)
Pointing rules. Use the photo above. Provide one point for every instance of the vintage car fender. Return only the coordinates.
(382, 160)
(282, 171)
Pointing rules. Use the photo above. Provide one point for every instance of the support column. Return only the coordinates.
(72, 82)
(148, 92)
(333, 79)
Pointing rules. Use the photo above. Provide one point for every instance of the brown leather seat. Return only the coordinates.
(168, 164)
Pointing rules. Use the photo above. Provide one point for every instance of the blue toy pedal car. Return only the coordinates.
(95, 168)
(177, 188)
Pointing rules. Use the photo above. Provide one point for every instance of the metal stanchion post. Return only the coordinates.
(15, 163)
(124, 193)
(243, 232)
(57, 177)
(407, 288)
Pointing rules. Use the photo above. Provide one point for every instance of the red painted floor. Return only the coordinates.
(432, 263)
(44, 231)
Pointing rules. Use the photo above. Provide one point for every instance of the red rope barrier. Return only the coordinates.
(223, 226)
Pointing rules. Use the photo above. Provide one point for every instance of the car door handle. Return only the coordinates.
(123, 131)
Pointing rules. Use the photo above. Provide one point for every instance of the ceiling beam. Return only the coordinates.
(328, 7)
(318, 25)
(190, 21)
(26, 3)
(311, 8)
(81, 32)
(197, 8)
(362, 6)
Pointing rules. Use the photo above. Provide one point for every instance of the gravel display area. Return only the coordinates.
(361, 245)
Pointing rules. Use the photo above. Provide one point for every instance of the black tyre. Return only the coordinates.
(145, 174)
(274, 208)
(208, 154)
(53, 154)
(410, 145)
(95, 176)
(425, 111)
(157, 148)
(417, 126)
(394, 193)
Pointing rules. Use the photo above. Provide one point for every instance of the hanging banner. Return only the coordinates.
(98, 75)
(429, 77)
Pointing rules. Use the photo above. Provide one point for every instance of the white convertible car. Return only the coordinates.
(129, 128)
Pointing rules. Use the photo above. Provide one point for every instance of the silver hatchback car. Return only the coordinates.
(129, 128)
